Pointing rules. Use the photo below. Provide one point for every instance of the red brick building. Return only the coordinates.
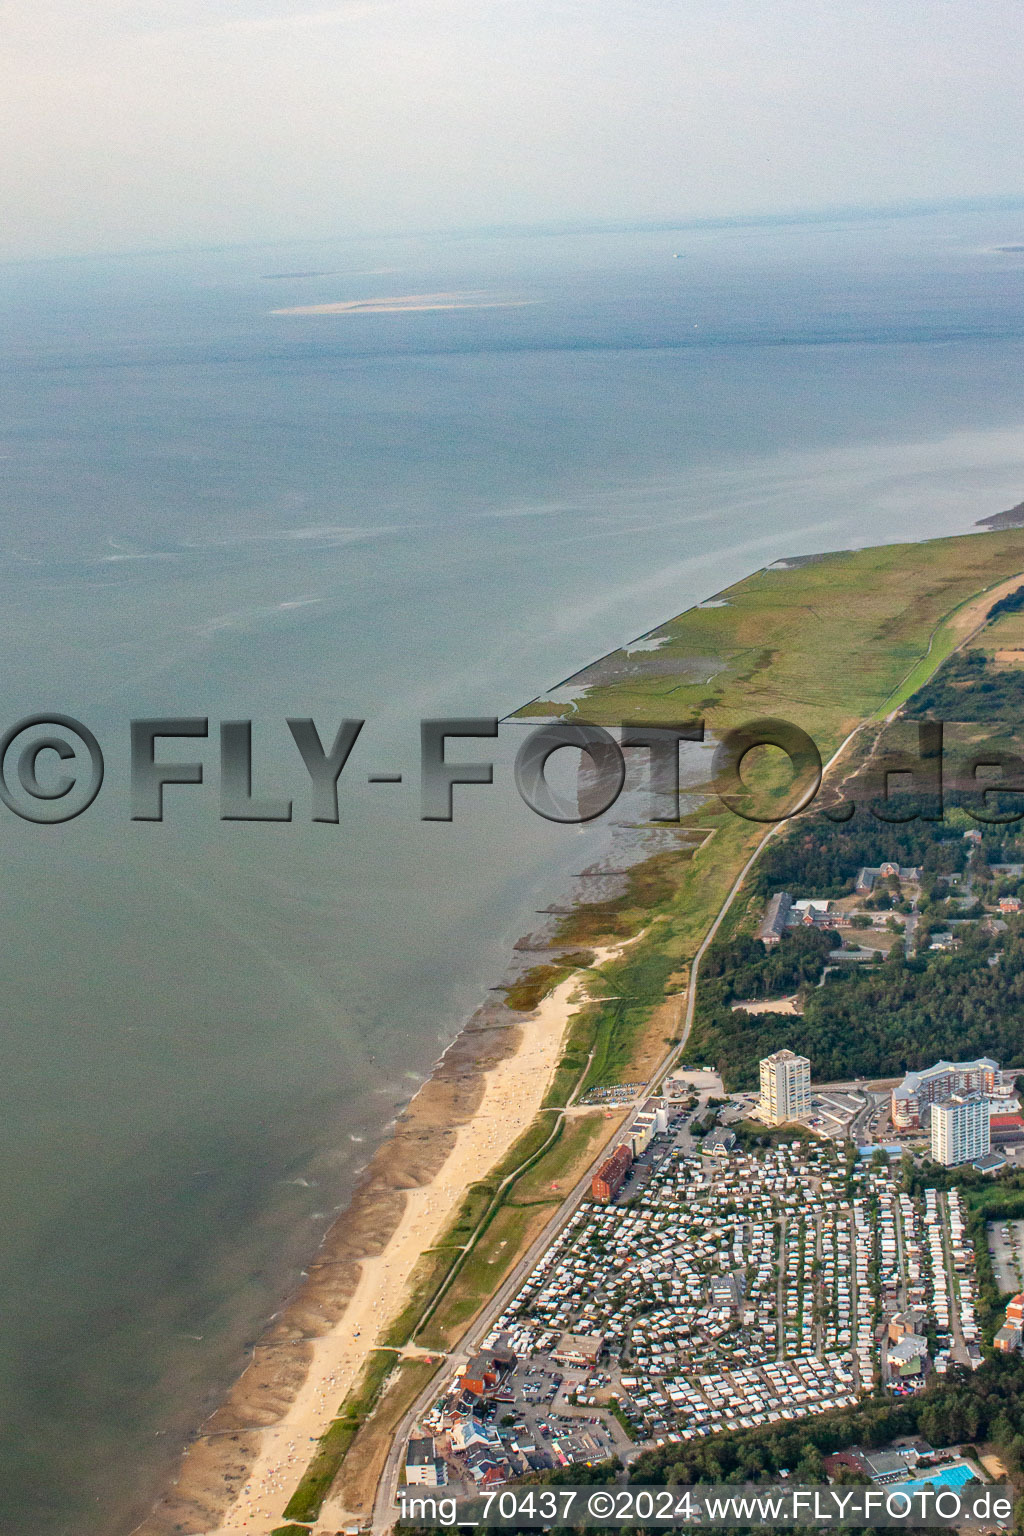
(487, 1370)
(608, 1179)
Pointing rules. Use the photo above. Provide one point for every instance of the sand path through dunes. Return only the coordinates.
(968, 618)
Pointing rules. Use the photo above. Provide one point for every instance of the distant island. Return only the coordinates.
(1014, 518)
(402, 304)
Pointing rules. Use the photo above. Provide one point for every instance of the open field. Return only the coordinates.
(823, 642)
(826, 643)
(1004, 639)
(956, 629)
(509, 1234)
(556, 1173)
(769, 1005)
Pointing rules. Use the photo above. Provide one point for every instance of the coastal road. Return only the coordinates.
(384, 1504)
(383, 1509)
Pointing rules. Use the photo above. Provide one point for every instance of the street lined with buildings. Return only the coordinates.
(711, 1290)
(757, 1264)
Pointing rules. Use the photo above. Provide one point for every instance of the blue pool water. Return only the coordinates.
(945, 1477)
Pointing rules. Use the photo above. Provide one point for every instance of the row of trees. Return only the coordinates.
(984, 1405)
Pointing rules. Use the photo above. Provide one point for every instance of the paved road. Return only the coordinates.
(958, 1346)
(913, 918)
(384, 1503)
(859, 1123)
(851, 1239)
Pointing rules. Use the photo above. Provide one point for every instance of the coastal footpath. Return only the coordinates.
(449, 1206)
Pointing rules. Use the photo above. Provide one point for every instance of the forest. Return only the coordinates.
(873, 1019)
(819, 857)
(867, 1020)
(969, 686)
(744, 968)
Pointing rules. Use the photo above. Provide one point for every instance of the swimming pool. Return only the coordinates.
(954, 1476)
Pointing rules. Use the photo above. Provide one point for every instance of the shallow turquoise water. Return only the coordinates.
(945, 1477)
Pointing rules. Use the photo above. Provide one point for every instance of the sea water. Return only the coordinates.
(213, 510)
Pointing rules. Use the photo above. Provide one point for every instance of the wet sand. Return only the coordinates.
(241, 1472)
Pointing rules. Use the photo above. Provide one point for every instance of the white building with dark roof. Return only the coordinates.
(960, 1129)
(776, 918)
(423, 1465)
(919, 1089)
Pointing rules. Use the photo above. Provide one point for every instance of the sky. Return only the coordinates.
(141, 124)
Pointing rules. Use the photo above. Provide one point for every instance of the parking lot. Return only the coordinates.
(1006, 1245)
(540, 1427)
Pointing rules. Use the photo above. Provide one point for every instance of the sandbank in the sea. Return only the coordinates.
(409, 303)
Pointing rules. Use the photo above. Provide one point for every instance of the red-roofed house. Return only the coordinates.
(608, 1179)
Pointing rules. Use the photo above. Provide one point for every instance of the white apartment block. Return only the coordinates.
(960, 1129)
(785, 1088)
(919, 1089)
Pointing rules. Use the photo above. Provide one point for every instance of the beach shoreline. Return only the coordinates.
(484, 1092)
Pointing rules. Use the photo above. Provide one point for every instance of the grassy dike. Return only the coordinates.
(305, 1502)
(824, 643)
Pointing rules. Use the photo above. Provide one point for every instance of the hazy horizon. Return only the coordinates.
(547, 228)
(267, 120)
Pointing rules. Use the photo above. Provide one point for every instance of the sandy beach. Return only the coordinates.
(240, 1474)
(242, 1469)
(401, 304)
